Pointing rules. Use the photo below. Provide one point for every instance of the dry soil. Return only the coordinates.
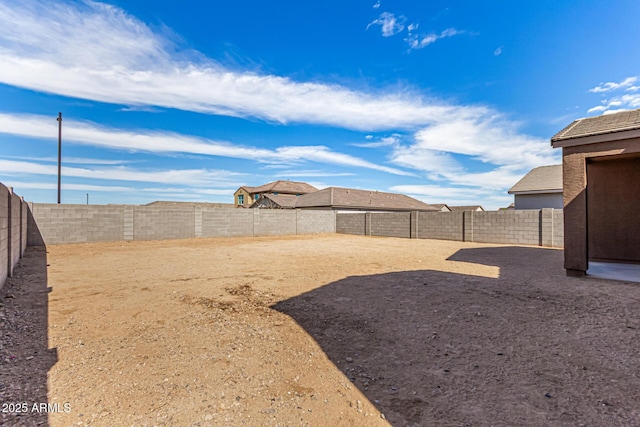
(326, 330)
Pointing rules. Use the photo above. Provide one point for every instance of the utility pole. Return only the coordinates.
(87, 198)
(59, 152)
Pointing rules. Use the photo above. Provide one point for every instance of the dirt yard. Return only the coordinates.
(315, 330)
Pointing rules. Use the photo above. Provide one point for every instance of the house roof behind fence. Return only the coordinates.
(282, 200)
(466, 208)
(350, 198)
(281, 186)
(543, 179)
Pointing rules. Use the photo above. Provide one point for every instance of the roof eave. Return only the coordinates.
(560, 142)
(553, 191)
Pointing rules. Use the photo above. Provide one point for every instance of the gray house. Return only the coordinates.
(540, 188)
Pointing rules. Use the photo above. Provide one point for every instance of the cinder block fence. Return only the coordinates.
(59, 224)
(13, 231)
(543, 227)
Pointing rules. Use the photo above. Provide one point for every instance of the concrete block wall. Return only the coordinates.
(13, 231)
(541, 227)
(267, 222)
(440, 225)
(390, 224)
(16, 221)
(4, 234)
(509, 226)
(350, 223)
(25, 225)
(168, 222)
(315, 222)
(59, 224)
(76, 223)
(225, 222)
(558, 228)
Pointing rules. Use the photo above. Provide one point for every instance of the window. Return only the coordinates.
(241, 199)
(257, 196)
(275, 194)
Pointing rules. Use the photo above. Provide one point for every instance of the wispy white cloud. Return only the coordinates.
(455, 196)
(437, 192)
(491, 140)
(609, 86)
(324, 155)
(71, 160)
(390, 24)
(420, 41)
(629, 100)
(295, 173)
(437, 164)
(500, 178)
(179, 176)
(377, 5)
(191, 190)
(171, 192)
(98, 52)
(71, 187)
(386, 141)
(88, 133)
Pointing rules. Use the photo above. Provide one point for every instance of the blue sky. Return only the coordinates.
(447, 101)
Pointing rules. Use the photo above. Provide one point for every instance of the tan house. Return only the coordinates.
(601, 190)
(245, 196)
(345, 199)
(540, 188)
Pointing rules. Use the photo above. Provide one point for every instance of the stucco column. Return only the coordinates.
(576, 256)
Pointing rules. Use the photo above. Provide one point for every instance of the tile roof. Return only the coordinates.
(287, 201)
(543, 179)
(608, 123)
(349, 198)
(441, 206)
(465, 208)
(281, 186)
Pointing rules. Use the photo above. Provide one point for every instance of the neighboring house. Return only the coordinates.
(476, 208)
(540, 188)
(346, 199)
(246, 196)
(441, 207)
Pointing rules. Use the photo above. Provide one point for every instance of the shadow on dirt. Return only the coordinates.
(530, 347)
(25, 354)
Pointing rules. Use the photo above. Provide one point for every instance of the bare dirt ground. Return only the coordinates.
(315, 330)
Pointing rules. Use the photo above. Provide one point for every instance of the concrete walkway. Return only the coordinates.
(615, 271)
